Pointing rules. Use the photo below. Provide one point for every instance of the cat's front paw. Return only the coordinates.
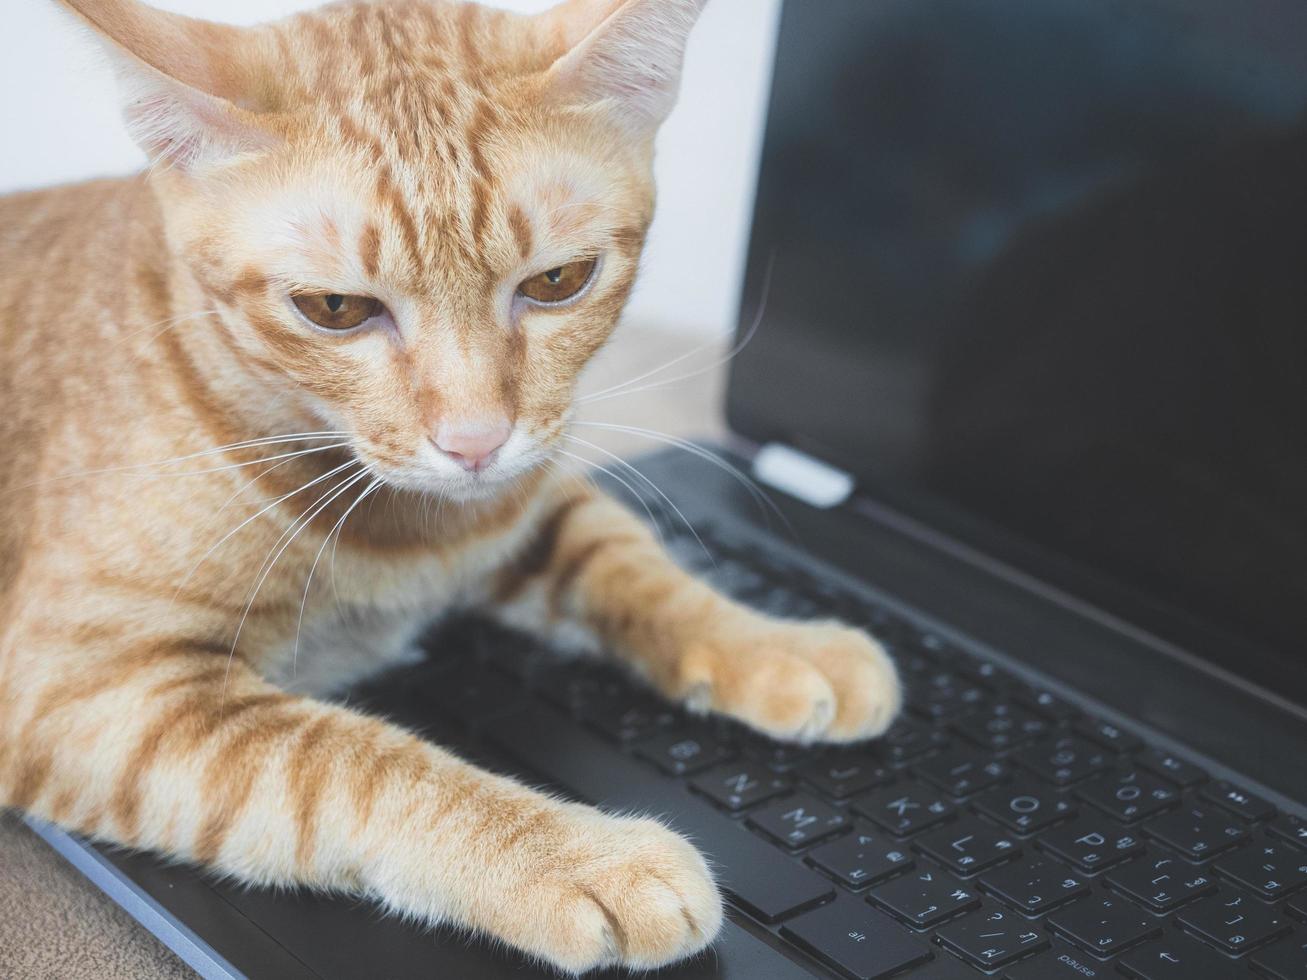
(793, 681)
(614, 891)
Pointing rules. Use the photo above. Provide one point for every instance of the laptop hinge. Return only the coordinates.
(800, 475)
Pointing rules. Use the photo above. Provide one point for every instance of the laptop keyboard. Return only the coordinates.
(996, 830)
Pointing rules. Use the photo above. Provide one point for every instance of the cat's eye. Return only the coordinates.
(560, 283)
(335, 311)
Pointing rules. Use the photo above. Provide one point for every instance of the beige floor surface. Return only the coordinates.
(54, 925)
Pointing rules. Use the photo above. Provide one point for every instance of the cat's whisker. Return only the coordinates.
(760, 497)
(167, 323)
(652, 485)
(255, 462)
(614, 388)
(298, 490)
(217, 450)
(287, 538)
(249, 483)
(624, 388)
(376, 485)
(308, 582)
(263, 441)
(585, 479)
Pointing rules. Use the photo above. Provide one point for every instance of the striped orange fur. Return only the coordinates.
(185, 450)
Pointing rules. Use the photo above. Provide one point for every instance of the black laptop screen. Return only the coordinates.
(1038, 270)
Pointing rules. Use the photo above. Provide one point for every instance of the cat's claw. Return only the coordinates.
(802, 682)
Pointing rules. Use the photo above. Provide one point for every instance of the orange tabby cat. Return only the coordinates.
(376, 246)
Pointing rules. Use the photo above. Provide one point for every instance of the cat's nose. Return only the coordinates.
(472, 443)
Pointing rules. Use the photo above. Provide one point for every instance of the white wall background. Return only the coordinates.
(59, 114)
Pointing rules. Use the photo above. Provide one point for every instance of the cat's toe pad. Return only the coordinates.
(796, 681)
(626, 892)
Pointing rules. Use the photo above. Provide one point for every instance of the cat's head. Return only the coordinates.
(421, 218)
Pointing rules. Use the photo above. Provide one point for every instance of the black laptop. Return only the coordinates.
(1021, 367)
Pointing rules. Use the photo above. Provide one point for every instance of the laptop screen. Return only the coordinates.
(1037, 272)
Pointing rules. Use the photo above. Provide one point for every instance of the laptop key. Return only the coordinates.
(1061, 962)
(945, 695)
(904, 809)
(571, 686)
(907, 740)
(1196, 832)
(681, 753)
(861, 858)
(1104, 925)
(1047, 703)
(838, 776)
(1176, 957)
(1025, 807)
(476, 696)
(1161, 882)
(1285, 960)
(1091, 843)
(1291, 828)
(1298, 906)
(1034, 885)
(1172, 767)
(961, 771)
(1233, 921)
(1001, 726)
(778, 756)
(1108, 735)
(1239, 801)
(967, 849)
(987, 672)
(856, 940)
(798, 821)
(992, 938)
(1271, 870)
(925, 897)
(740, 785)
(1129, 796)
(1065, 760)
(627, 719)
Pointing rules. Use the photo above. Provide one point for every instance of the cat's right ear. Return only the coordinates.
(186, 83)
(625, 55)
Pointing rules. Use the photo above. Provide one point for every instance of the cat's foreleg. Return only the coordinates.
(594, 564)
(168, 747)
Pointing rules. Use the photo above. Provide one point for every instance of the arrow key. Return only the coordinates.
(1284, 961)
(1175, 957)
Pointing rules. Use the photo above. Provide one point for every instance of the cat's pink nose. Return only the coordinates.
(472, 443)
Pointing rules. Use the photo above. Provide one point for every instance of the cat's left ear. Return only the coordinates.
(189, 86)
(625, 55)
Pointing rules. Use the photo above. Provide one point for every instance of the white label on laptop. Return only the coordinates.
(802, 476)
